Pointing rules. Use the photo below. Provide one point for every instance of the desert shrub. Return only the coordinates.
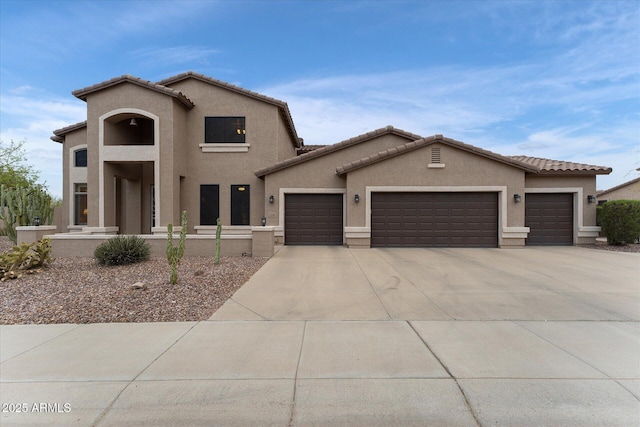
(175, 253)
(121, 250)
(621, 221)
(26, 257)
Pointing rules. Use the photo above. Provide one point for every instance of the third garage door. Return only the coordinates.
(434, 219)
(313, 219)
(550, 218)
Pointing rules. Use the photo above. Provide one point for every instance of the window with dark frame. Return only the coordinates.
(209, 204)
(219, 130)
(240, 203)
(80, 204)
(80, 158)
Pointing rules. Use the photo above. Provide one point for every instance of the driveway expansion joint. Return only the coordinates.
(464, 396)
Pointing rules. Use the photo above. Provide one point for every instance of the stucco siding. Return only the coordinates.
(461, 169)
(321, 171)
(581, 186)
(626, 192)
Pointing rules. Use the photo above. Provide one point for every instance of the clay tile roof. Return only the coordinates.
(617, 187)
(308, 148)
(549, 166)
(284, 108)
(335, 147)
(82, 93)
(413, 145)
(58, 134)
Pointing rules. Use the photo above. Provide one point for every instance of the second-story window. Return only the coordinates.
(224, 130)
(80, 158)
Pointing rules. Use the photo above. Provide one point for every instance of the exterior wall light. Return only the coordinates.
(591, 198)
(356, 198)
(263, 221)
(271, 199)
(517, 198)
(36, 221)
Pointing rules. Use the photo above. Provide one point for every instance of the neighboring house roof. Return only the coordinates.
(82, 93)
(284, 108)
(335, 147)
(58, 134)
(617, 187)
(549, 166)
(414, 145)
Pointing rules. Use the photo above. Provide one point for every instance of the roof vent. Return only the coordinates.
(435, 155)
(436, 159)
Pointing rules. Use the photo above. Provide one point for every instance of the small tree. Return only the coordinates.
(175, 253)
(14, 172)
(621, 221)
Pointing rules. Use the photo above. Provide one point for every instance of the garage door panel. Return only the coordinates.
(313, 219)
(441, 219)
(550, 218)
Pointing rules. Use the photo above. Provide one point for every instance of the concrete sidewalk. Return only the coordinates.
(577, 371)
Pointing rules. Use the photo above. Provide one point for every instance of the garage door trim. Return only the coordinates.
(279, 230)
(504, 231)
(579, 199)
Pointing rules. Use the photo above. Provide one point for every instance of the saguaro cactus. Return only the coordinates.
(218, 232)
(19, 206)
(175, 253)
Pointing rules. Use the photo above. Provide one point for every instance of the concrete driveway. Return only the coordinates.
(335, 283)
(332, 336)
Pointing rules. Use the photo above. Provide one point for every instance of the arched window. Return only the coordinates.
(80, 158)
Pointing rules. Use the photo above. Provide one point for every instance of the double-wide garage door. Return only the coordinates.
(313, 219)
(434, 219)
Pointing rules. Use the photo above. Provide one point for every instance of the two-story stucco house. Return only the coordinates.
(148, 151)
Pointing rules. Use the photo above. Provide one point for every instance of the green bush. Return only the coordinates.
(621, 221)
(121, 250)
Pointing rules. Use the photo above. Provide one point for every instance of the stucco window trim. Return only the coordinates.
(77, 175)
(504, 231)
(279, 229)
(218, 147)
(128, 153)
(435, 166)
(579, 229)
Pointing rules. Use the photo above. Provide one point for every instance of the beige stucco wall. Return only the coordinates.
(463, 171)
(71, 175)
(129, 96)
(321, 171)
(627, 192)
(266, 134)
(581, 187)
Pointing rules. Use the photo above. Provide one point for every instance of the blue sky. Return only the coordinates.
(549, 79)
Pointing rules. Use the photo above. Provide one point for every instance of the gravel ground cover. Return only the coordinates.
(77, 290)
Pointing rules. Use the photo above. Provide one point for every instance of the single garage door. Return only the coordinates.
(434, 219)
(550, 218)
(313, 219)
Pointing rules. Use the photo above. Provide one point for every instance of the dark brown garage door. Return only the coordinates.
(313, 219)
(434, 219)
(550, 218)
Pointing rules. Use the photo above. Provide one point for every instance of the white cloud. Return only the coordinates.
(33, 119)
(177, 55)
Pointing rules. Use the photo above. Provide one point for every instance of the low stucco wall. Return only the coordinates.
(83, 245)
